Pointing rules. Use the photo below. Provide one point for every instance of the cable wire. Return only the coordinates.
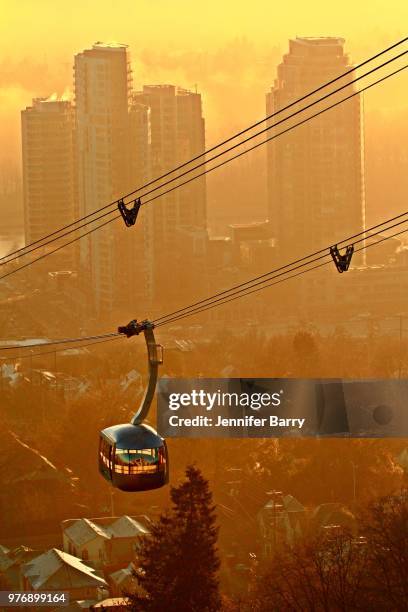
(41, 246)
(263, 142)
(212, 302)
(309, 94)
(293, 263)
(207, 171)
(242, 294)
(61, 246)
(60, 350)
(273, 125)
(205, 162)
(278, 112)
(61, 341)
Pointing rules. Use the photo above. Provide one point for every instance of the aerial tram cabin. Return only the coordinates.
(132, 456)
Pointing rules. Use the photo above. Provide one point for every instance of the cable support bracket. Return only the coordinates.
(129, 215)
(134, 328)
(342, 261)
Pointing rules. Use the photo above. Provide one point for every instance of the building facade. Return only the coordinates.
(104, 543)
(315, 172)
(177, 135)
(142, 254)
(78, 158)
(102, 81)
(48, 155)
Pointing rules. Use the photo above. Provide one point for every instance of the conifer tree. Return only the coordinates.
(178, 561)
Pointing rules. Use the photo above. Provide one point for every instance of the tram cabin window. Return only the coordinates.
(105, 450)
(139, 461)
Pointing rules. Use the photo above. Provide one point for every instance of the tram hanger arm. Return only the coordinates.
(154, 358)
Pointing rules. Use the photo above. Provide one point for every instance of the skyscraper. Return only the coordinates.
(141, 283)
(102, 90)
(177, 134)
(315, 172)
(48, 174)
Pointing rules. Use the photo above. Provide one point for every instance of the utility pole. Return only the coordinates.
(56, 378)
(112, 504)
(354, 483)
(31, 380)
(400, 344)
(277, 504)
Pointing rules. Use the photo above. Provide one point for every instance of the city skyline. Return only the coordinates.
(165, 123)
(114, 138)
(215, 57)
(380, 124)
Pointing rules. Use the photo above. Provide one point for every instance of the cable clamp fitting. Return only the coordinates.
(342, 261)
(129, 215)
(134, 328)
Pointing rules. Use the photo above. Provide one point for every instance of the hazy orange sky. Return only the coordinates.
(228, 48)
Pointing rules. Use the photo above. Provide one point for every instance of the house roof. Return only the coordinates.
(22, 553)
(17, 556)
(122, 575)
(126, 527)
(331, 513)
(56, 570)
(28, 463)
(111, 603)
(84, 530)
(79, 604)
(5, 561)
(403, 459)
(290, 504)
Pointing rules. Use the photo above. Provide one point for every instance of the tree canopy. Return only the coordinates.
(178, 561)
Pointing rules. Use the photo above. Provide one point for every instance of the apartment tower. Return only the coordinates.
(49, 174)
(315, 172)
(102, 79)
(177, 221)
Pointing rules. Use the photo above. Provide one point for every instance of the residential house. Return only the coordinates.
(332, 514)
(86, 540)
(281, 521)
(109, 542)
(112, 604)
(10, 564)
(122, 581)
(55, 570)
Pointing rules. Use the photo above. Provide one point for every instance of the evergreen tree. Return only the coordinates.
(178, 561)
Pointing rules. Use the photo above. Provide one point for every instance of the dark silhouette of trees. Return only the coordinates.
(337, 571)
(305, 352)
(325, 573)
(386, 530)
(178, 562)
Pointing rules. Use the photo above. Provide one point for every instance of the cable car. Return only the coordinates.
(132, 456)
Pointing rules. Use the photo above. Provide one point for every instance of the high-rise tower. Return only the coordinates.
(315, 172)
(48, 174)
(102, 90)
(179, 218)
